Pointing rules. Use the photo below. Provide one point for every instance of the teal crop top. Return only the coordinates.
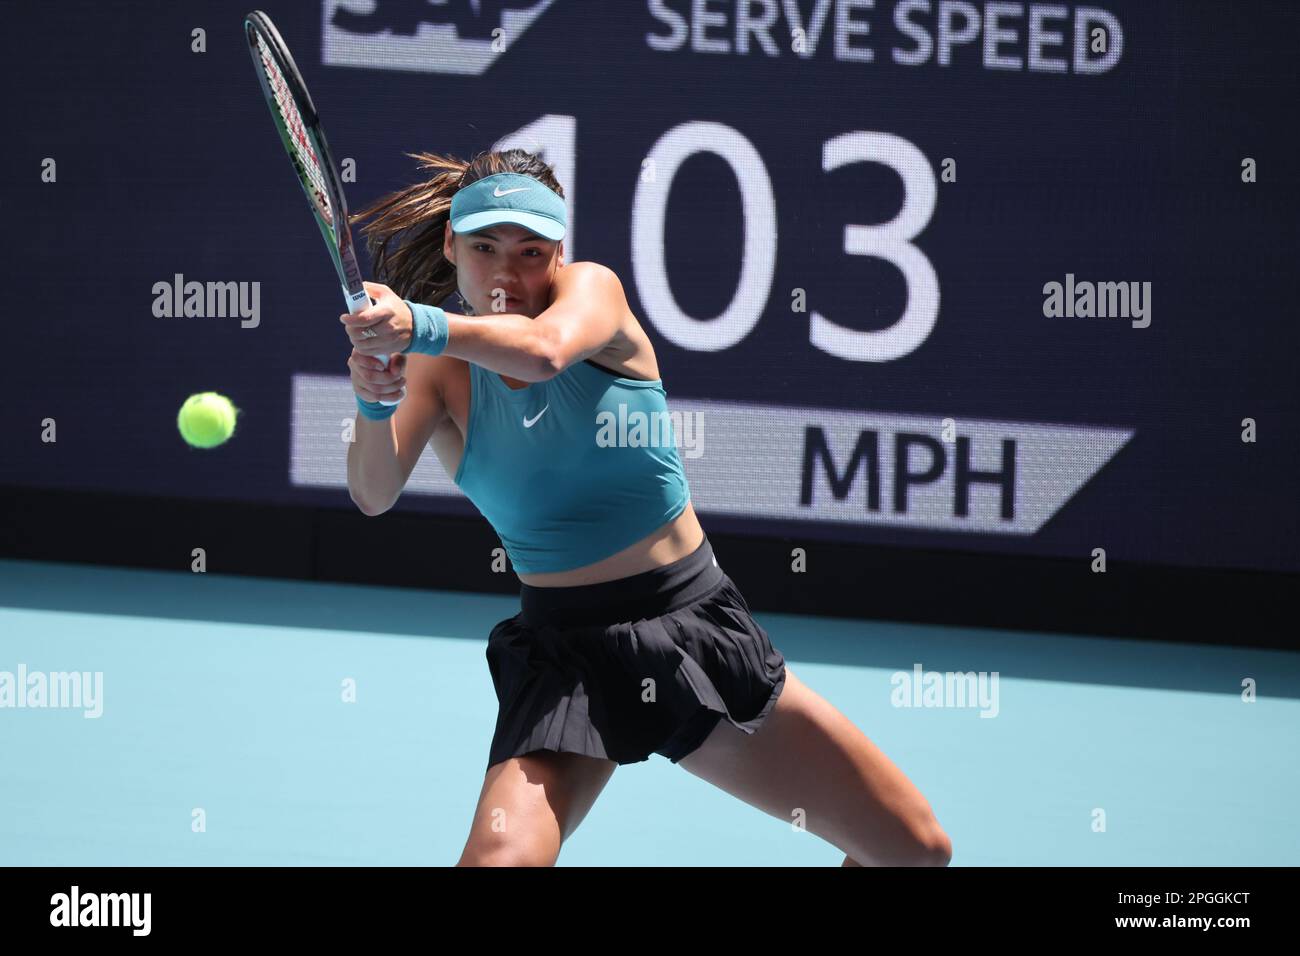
(563, 474)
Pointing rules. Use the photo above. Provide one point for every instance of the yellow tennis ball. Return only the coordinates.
(207, 419)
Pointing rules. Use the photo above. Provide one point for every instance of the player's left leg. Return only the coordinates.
(808, 759)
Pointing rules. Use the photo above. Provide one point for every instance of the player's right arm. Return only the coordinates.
(383, 453)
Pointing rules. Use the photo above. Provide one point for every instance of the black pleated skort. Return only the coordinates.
(647, 664)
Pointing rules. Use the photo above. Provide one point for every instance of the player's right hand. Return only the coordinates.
(373, 382)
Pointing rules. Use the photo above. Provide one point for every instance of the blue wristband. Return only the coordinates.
(428, 329)
(375, 411)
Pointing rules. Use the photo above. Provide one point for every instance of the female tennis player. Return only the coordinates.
(630, 639)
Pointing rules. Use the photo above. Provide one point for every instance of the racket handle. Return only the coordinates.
(356, 304)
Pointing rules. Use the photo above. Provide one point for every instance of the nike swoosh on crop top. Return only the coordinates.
(562, 473)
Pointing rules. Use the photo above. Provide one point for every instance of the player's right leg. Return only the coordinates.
(530, 804)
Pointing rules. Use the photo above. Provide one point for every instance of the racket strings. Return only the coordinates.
(304, 154)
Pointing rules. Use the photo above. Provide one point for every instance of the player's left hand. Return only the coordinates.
(383, 328)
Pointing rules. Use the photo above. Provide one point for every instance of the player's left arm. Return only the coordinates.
(586, 313)
(585, 317)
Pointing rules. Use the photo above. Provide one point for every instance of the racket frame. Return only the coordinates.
(336, 232)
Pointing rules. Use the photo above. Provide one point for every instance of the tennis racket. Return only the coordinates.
(300, 130)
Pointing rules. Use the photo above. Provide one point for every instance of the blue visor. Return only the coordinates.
(509, 197)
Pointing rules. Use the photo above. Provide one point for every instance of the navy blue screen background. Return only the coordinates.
(167, 164)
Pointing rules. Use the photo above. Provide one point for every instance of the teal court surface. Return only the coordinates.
(324, 724)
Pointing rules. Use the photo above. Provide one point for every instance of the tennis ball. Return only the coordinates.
(206, 420)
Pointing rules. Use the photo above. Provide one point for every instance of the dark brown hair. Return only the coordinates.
(405, 235)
